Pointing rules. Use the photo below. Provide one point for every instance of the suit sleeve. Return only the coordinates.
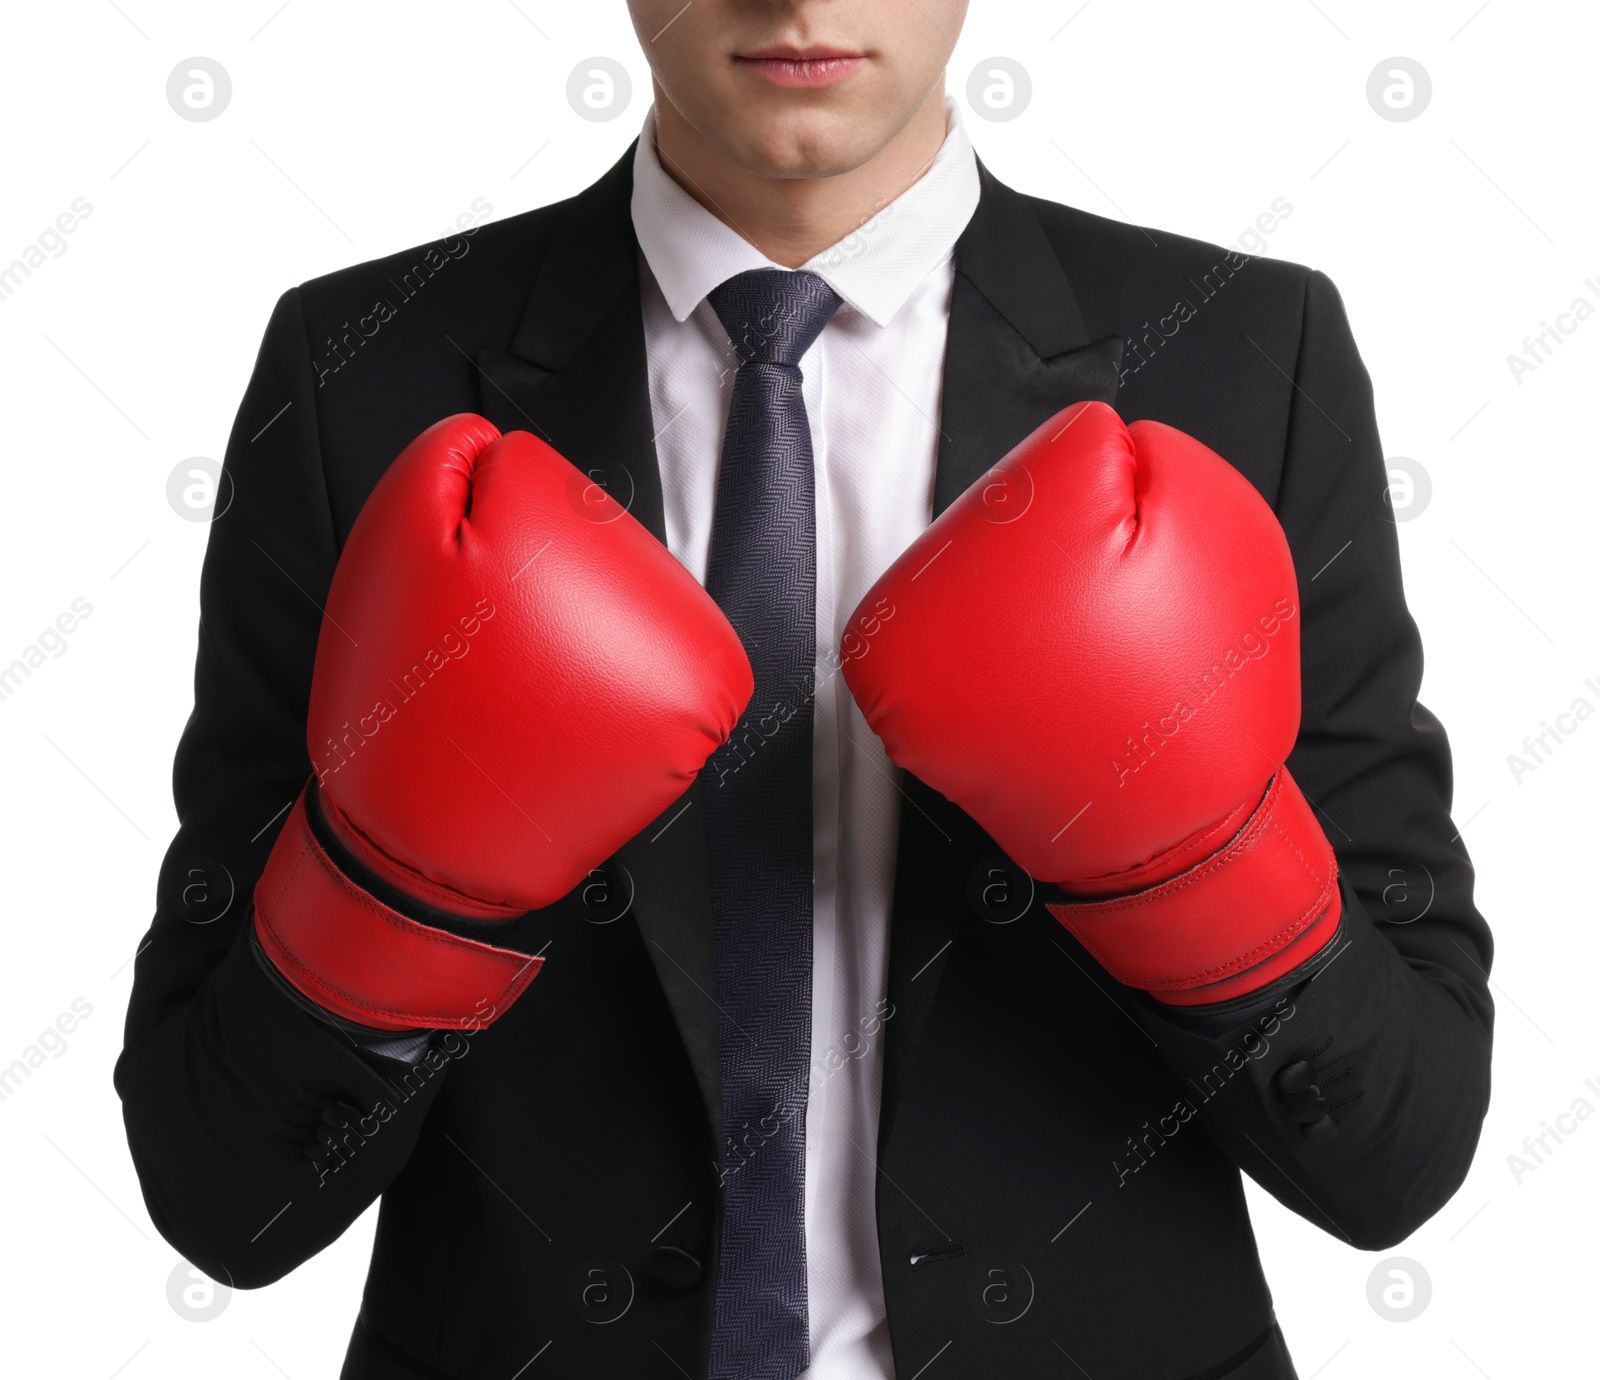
(258, 1131)
(1358, 1100)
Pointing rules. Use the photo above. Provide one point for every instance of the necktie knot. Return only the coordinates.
(772, 315)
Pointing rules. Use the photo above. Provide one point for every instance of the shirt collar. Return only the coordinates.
(875, 268)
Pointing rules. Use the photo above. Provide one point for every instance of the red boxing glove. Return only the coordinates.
(513, 677)
(1095, 653)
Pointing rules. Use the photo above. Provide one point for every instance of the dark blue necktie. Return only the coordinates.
(762, 571)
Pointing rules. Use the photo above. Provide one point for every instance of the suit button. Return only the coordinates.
(1320, 1130)
(1299, 1095)
(1295, 1077)
(1305, 1106)
(675, 1268)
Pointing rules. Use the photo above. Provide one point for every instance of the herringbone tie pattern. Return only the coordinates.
(762, 571)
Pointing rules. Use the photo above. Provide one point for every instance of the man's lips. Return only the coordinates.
(803, 66)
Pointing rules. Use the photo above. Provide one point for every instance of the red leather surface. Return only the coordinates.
(1095, 653)
(1183, 934)
(513, 676)
(354, 956)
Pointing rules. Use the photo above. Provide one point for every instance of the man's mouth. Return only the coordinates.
(786, 66)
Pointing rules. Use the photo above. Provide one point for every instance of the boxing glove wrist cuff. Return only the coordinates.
(1253, 911)
(361, 959)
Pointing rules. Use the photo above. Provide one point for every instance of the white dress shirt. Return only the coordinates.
(872, 395)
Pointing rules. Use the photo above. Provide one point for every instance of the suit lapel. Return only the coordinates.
(576, 375)
(1018, 352)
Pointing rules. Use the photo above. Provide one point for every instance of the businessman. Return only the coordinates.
(799, 760)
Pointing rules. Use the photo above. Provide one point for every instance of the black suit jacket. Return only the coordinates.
(1060, 1157)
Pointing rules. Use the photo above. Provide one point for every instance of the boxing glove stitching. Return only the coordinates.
(1219, 829)
(1247, 841)
(284, 955)
(392, 917)
(435, 893)
(1264, 950)
(1242, 963)
(308, 849)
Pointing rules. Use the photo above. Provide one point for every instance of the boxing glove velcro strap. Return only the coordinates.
(361, 959)
(1274, 882)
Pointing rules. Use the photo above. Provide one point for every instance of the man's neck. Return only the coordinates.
(793, 219)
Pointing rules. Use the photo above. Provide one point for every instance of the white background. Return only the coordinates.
(356, 129)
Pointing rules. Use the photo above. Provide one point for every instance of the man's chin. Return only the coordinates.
(805, 147)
